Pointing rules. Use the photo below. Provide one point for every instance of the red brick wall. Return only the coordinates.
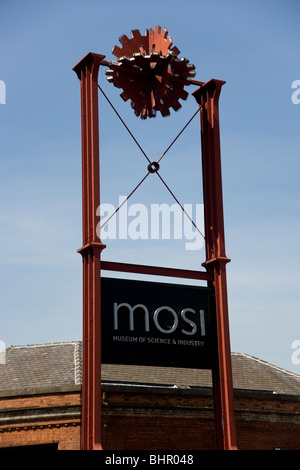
(152, 421)
(41, 400)
(149, 433)
(63, 432)
(257, 435)
(186, 422)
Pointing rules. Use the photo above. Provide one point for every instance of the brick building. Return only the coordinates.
(143, 408)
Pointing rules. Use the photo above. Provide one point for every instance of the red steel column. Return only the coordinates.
(207, 96)
(87, 72)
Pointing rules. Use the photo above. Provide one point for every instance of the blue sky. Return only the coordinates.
(254, 47)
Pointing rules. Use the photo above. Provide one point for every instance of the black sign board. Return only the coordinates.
(155, 324)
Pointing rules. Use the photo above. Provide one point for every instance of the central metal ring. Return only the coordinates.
(153, 167)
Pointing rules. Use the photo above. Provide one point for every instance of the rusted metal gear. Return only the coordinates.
(150, 73)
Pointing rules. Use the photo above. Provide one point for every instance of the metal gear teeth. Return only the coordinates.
(156, 40)
(150, 73)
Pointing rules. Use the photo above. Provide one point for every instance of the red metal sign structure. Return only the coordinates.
(152, 77)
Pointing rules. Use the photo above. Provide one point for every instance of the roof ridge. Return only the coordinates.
(261, 361)
(77, 363)
(38, 345)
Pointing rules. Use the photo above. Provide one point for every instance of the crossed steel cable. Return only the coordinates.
(153, 167)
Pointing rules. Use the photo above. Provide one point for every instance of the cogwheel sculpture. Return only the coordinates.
(150, 73)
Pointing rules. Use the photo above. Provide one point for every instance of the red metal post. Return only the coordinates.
(207, 96)
(87, 72)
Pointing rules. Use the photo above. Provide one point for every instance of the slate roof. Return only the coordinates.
(38, 366)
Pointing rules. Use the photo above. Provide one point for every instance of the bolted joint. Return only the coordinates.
(153, 167)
